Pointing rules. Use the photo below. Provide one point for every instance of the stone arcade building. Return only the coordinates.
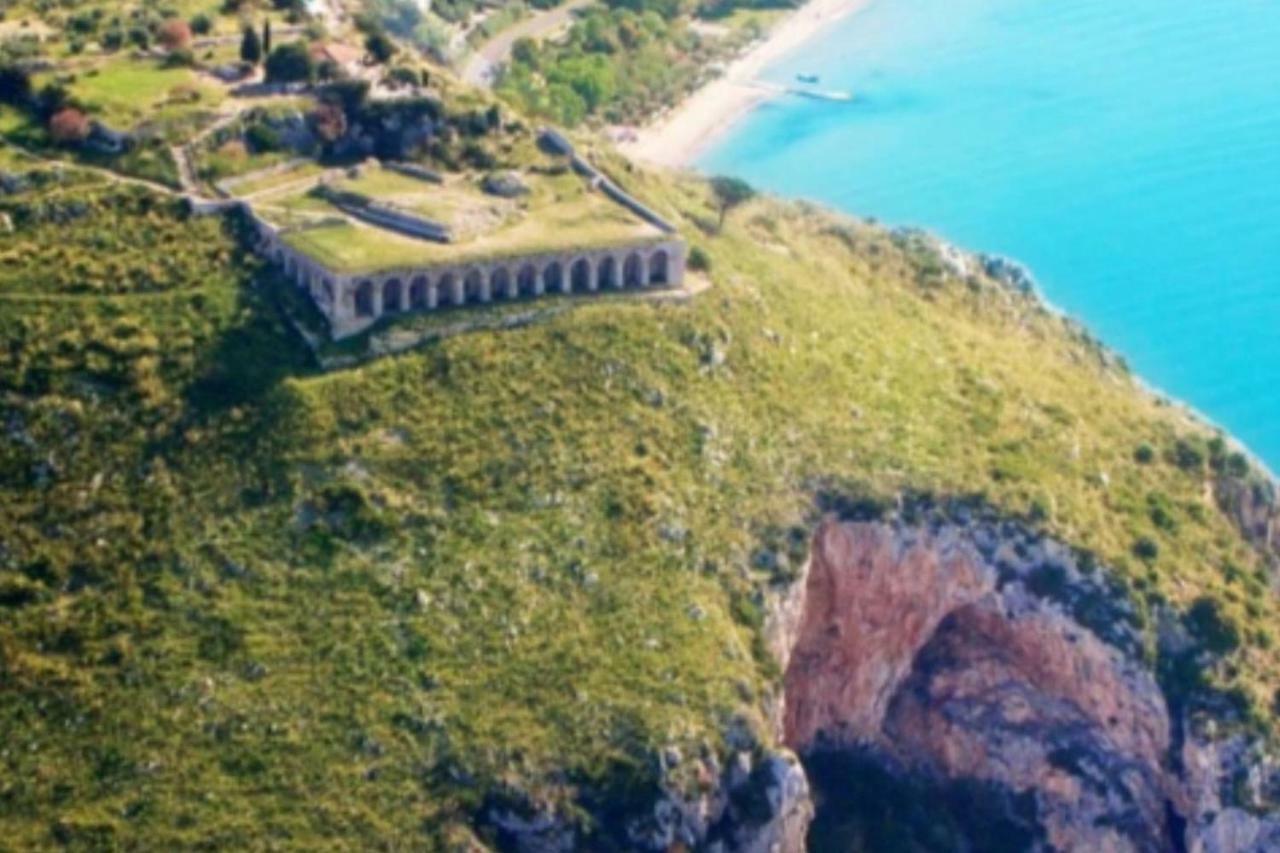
(354, 301)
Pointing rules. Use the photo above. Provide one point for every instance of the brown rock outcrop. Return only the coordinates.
(915, 645)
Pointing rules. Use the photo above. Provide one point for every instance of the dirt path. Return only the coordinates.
(481, 66)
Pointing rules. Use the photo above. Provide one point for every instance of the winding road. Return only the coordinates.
(480, 67)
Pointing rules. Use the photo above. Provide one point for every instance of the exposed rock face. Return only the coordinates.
(1252, 505)
(959, 652)
(760, 803)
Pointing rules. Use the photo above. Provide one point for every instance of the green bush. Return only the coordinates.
(1208, 623)
(699, 260)
(1146, 548)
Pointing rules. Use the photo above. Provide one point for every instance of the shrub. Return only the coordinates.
(174, 35)
(202, 25)
(405, 76)
(261, 138)
(1187, 456)
(69, 126)
(1209, 624)
(1144, 454)
(380, 47)
(180, 58)
(15, 86)
(1146, 548)
(699, 260)
(1161, 510)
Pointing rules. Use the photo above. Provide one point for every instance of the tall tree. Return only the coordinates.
(250, 45)
(266, 37)
(730, 192)
(290, 63)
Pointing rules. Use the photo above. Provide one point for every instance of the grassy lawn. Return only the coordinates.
(125, 92)
(254, 184)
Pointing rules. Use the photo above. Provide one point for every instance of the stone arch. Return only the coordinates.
(580, 275)
(500, 284)
(633, 271)
(364, 299)
(451, 290)
(607, 273)
(658, 267)
(476, 287)
(418, 293)
(392, 296)
(527, 282)
(553, 277)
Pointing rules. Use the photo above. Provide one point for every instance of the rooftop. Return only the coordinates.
(560, 213)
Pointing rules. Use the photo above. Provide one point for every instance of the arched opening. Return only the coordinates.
(364, 299)
(580, 275)
(418, 293)
(607, 273)
(658, 268)
(392, 297)
(500, 283)
(328, 292)
(553, 277)
(632, 271)
(477, 288)
(451, 290)
(527, 281)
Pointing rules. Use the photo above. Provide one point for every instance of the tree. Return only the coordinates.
(69, 126)
(174, 34)
(525, 51)
(290, 63)
(202, 25)
(15, 86)
(330, 122)
(380, 47)
(250, 46)
(266, 37)
(730, 192)
(350, 95)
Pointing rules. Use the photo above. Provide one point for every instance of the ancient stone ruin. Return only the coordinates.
(352, 301)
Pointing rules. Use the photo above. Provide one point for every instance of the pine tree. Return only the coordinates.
(250, 46)
(266, 37)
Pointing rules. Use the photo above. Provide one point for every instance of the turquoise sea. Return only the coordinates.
(1128, 153)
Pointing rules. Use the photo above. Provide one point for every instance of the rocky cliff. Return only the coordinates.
(997, 681)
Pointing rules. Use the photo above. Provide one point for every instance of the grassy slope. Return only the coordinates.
(242, 601)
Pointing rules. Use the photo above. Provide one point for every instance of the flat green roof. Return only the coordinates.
(559, 214)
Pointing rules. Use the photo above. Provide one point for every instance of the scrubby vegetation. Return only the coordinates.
(244, 601)
(620, 63)
(114, 241)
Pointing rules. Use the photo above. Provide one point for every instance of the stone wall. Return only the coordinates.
(353, 302)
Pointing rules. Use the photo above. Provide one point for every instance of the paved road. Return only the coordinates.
(481, 66)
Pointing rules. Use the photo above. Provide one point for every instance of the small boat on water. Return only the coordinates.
(811, 79)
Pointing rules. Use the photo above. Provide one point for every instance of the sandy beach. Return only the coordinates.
(676, 138)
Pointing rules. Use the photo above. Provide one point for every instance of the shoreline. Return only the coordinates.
(677, 137)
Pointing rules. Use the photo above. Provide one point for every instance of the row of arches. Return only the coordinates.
(528, 280)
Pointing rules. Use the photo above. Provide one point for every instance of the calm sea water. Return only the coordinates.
(1128, 152)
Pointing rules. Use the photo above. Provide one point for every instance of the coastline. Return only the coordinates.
(676, 138)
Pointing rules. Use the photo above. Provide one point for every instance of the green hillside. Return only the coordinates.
(244, 603)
